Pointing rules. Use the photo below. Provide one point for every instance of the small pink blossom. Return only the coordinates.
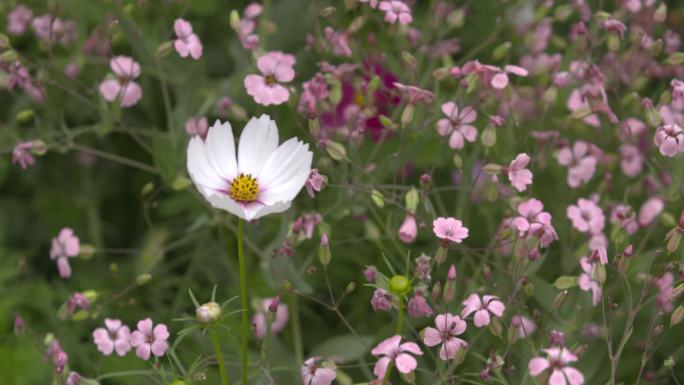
(115, 336)
(266, 89)
(121, 87)
(21, 154)
(665, 294)
(306, 223)
(650, 210)
(418, 307)
(339, 42)
(458, 124)
(586, 216)
(381, 300)
(556, 361)
(409, 229)
(449, 229)
(631, 160)
(18, 19)
(669, 139)
(74, 378)
(315, 183)
(580, 162)
(197, 126)
(77, 301)
(677, 89)
(615, 26)
(625, 217)
(396, 10)
(483, 308)
(393, 351)
(51, 29)
(531, 216)
(248, 38)
(147, 339)
(58, 355)
(518, 174)
(314, 374)
(447, 327)
(64, 246)
(415, 94)
(587, 280)
(282, 315)
(577, 101)
(187, 42)
(523, 326)
(500, 80)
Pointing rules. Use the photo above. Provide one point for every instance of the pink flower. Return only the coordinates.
(500, 79)
(631, 160)
(587, 280)
(248, 39)
(396, 10)
(339, 42)
(50, 29)
(381, 300)
(276, 68)
(557, 361)
(484, 308)
(530, 217)
(18, 19)
(624, 215)
(315, 183)
(418, 306)
(122, 86)
(449, 229)
(197, 126)
(313, 374)
(457, 124)
(523, 326)
(577, 101)
(74, 378)
(393, 351)
(615, 26)
(76, 301)
(58, 355)
(518, 173)
(669, 139)
(665, 292)
(409, 229)
(586, 216)
(581, 164)
(253, 10)
(306, 223)
(64, 246)
(677, 87)
(116, 336)
(448, 326)
(187, 43)
(282, 315)
(415, 94)
(650, 210)
(21, 153)
(148, 340)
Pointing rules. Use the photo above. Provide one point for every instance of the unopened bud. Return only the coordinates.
(164, 49)
(488, 138)
(436, 291)
(327, 11)
(441, 255)
(399, 285)
(143, 279)
(451, 275)
(407, 115)
(350, 287)
(38, 147)
(208, 313)
(235, 20)
(273, 306)
(557, 338)
(660, 13)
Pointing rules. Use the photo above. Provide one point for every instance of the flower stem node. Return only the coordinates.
(209, 313)
(400, 285)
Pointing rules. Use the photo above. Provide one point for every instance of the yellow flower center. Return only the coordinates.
(359, 99)
(244, 188)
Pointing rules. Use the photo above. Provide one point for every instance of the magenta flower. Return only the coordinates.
(523, 326)
(74, 378)
(447, 327)
(625, 216)
(381, 300)
(457, 124)
(587, 280)
(18, 19)
(266, 89)
(581, 164)
(313, 374)
(409, 229)
(518, 173)
(187, 42)
(530, 217)
(586, 216)
(650, 210)
(64, 246)
(449, 229)
(556, 361)
(116, 336)
(669, 139)
(392, 350)
(315, 183)
(121, 86)
(148, 340)
(58, 355)
(484, 308)
(339, 42)
(282, 315)
(197, 126)
(21, 153)
(396, 10)
(77, 301)
(418, 307)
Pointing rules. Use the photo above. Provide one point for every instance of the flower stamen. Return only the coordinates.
(244, 188)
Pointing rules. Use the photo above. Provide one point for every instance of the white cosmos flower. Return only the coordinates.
(263, 179)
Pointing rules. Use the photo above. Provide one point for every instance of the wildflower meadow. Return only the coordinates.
(317, 192)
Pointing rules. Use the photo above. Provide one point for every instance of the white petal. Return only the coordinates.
(257, 142)
(256, 211)
(220, 150)
(224, 202)
(285, 172)
(205, 177)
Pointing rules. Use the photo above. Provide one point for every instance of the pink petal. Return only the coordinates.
(500, 81)
(411, 347)
(130, 94)
(143, 351)
(557, 378)
(431, 337)
(481, 318)
(405, 363)
(145, 326)
(109, 89)
(574, 376)
(387, 346)
(537, 365)
(64, 267)
(471, 304)
(161, 332)
(159, 348)
(137, 338)
(381, 367)
(456, 140)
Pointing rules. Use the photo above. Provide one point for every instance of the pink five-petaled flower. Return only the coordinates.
(313, 374)
(581, 164)
(518, 173)
(339, 42)
(650, 210)
(116, 336)
(557, 361)
(64, 246)
(523, 325)
(122, 86)
(266, 89)
(586, 216)
(530, 217)
(669, 139)
(449, 229)
(414, 94)
(483, 308)
(197, 126)
(315, 183)
(396, 10)
(447, 327)
(500, 80)
(187, 42)
(148, 340)
(393, 351)
(457, 124)
(21, 153)
(282, 314)
(587, 281)
(18, 19)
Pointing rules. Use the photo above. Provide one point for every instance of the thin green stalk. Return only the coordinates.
(243, 300)
(219, 357)
(400, 325)
(296, 329)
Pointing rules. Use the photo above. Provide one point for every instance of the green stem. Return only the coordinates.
(296, 329)
(243, 300)
(400, 325)
(219, 357)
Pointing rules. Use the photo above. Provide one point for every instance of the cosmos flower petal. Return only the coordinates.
(220, 150)
(258, 140)
(285, 172)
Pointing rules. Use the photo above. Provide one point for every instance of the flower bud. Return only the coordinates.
(273, 306)
(350, 287)
(556, 338)
(399, 285)
(208, 313)
(324, 255)
(164, 49)
(143, 279)
(436, 291)
(441, 255)
(235, 20)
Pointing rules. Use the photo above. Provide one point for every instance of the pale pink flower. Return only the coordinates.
(114, 336)
(457, 124)
(253, 10)
(306, 223)
(669, 139)
(77, 301)
(339, 42)
(21, 153)
(266, 89)
(282, 315)
(556, 361)
(409, 229)
(418, 307)
(523, 326)
(64, 246)
(381, 300)
(447, 327)
(415, 94)
(187, 42)
(449, 229)
(665, 292)
(50, 29)
(18, 19)
(615, 26)
(315, 183)
(483, 308)
(518, 174)
(248, 39)
(147, 339)
(587, 280)
(392, 350)
(650, 210)
(631, 160)
(677, 89)
(314, 374)
(396, 10)
(586, 216)
(580, 162)
(531, 216)
(121, 86)
(500, 80)
(625, 216)
(74, 378)
(576, 101)
(197, 126)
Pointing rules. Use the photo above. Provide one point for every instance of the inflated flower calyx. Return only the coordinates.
(400, 285)
(208, 313)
